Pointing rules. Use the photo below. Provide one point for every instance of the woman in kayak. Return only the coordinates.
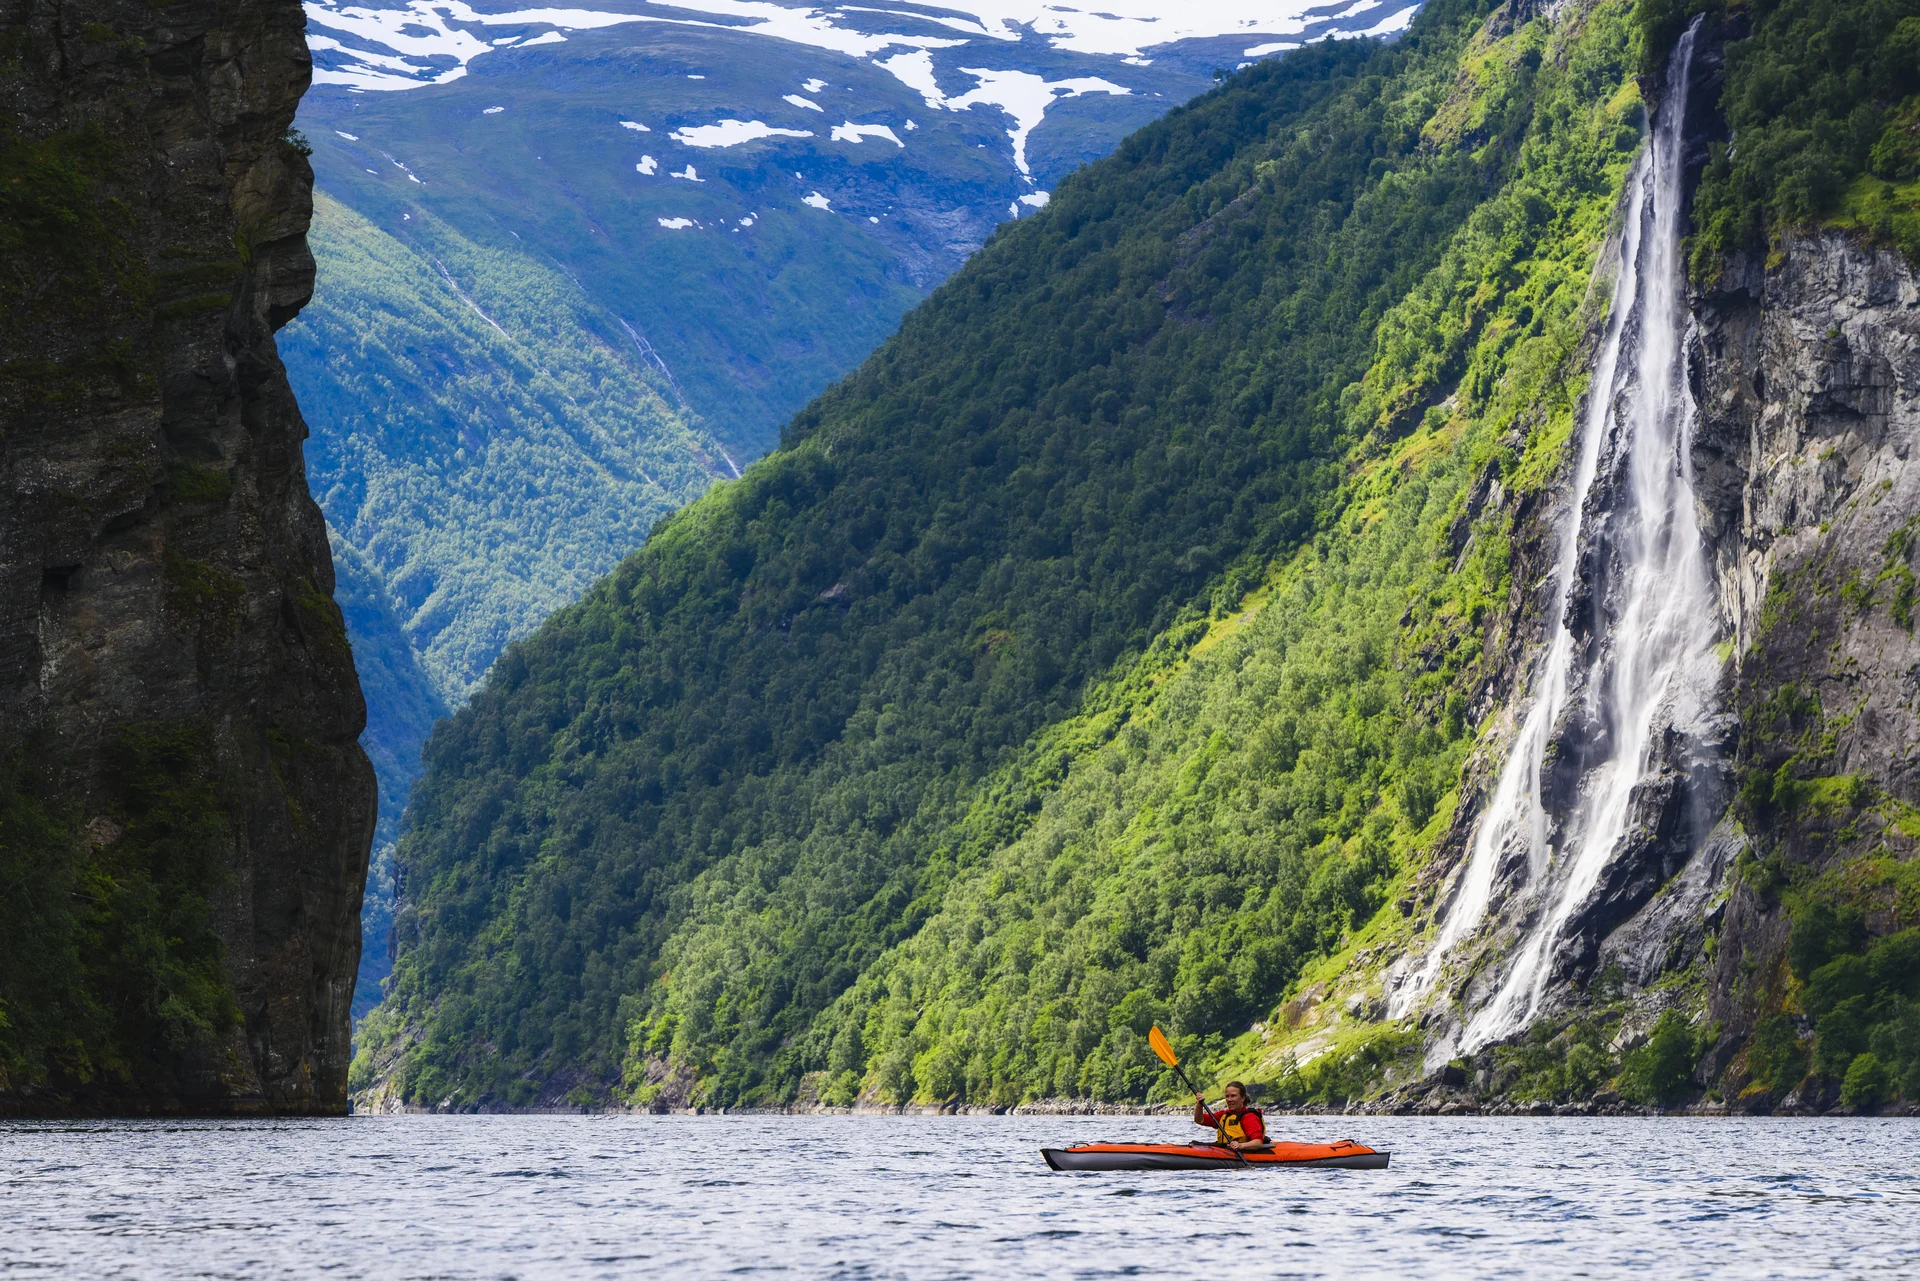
(1238, 1124)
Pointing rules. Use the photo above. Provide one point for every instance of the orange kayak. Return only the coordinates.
(1342, 1155)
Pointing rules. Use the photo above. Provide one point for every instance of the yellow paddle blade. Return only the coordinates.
(1158, 1040)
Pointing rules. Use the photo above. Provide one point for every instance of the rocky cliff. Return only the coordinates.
(1748, 942)
(1809, 372)
(184, 810)
(1806, 373)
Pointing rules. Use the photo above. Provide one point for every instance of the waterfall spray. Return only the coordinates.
(1650, 665)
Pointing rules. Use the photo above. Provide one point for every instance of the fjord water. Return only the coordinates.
(936, 1197)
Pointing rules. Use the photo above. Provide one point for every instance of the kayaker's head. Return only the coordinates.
(1236, 1096)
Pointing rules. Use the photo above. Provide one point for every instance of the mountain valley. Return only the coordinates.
(876, 558)
(605, 255)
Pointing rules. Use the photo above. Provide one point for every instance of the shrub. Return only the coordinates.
(1554, 1064)
(1586, 1068)
(1777, 1059)
(1895, 963)
(1834, 982)
(1821, 933)
(1868, 1082)
(1661, 1071)
(1841, 1034)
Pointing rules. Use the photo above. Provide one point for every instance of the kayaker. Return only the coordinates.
(1237, 1123)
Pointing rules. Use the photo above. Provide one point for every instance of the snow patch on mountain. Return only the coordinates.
(1392, 24)
(851, 132)
(915, 71)
(731, 133)
(1025, 97)
(1020, 94)
(408, 46)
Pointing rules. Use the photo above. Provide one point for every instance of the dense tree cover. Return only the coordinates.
(402, 705)
(1250, 807)
(487, 440)
(1863, 996)
(1823, 101)
(849, 695)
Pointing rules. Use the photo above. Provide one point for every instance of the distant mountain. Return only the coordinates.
(575, 264)
(485, 440)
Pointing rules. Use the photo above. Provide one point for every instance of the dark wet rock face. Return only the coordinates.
(179, 714)
(1808, 375)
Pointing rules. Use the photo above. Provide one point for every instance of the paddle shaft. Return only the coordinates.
(1163, 1050)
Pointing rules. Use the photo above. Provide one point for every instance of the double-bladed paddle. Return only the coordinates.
(1164, 1048)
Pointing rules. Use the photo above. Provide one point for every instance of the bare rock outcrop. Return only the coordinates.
(1808, 378)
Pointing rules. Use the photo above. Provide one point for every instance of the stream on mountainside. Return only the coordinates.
(619, 1196)
(1625, 690)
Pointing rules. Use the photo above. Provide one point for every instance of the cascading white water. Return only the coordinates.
(1652, 663)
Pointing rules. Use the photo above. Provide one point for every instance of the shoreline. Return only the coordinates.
(1076, 1107)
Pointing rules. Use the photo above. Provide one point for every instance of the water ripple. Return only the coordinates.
(606, 1197)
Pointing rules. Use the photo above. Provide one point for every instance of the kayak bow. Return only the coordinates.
(1342, 1155)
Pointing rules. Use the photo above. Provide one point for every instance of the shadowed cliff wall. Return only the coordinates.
(185, 812)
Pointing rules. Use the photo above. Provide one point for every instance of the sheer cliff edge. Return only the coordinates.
(185, 811)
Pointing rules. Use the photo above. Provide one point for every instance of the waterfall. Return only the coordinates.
(1643, 662)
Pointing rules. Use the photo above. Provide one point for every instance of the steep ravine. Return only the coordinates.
(185, 811)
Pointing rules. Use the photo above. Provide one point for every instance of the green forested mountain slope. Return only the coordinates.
(495, 441)
(487, 441)
(1226, 811)
(402, 705)
(831, 701)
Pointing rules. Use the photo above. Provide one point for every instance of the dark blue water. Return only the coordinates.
(949, 1197)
